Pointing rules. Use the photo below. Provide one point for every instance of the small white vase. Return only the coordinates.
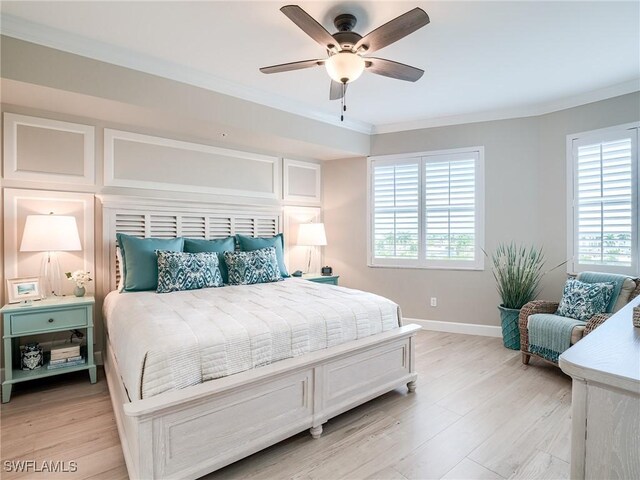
(79, 291)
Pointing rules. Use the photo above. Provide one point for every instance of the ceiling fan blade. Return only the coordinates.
(286, 67)
(391, 69)
(309, 26)
(335, 91)
(394, 30)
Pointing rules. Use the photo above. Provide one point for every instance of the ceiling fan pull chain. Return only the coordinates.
(342, 103)
(343, 100)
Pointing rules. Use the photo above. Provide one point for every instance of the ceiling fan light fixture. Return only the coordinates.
(345, 67)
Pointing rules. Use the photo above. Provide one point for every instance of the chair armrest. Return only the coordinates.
(636, 292)
(531, 308)
(595, 321)
(599, 318)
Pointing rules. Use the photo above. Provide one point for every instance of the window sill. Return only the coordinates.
(473, 268)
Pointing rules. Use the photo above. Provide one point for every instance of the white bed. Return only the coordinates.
(182, 423)
(166, 342)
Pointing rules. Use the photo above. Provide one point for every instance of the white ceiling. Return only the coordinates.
(483, 60)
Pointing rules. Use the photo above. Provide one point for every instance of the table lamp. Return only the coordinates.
(50, 233)
(311, 235)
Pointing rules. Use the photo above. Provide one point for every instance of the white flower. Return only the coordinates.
(79, 276)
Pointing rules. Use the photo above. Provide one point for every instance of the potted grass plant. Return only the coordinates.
(518, 271)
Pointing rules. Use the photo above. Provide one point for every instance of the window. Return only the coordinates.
(426, 210)
(603, 200)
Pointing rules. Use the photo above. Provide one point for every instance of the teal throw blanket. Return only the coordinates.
(550, 335)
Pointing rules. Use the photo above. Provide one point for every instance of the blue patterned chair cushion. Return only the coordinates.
(582, 300)
(187, 271)
(256, 266)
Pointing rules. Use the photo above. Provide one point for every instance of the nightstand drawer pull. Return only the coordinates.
(35, 322)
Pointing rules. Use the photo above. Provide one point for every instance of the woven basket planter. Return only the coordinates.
(510, 330)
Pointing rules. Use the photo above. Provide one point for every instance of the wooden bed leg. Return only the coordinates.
(411, 386)
(525, 358)
(316, 432)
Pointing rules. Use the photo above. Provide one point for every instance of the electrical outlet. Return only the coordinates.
(434, 302)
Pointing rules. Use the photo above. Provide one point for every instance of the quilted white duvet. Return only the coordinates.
(169, 341)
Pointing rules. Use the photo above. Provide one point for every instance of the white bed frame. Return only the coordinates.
(189, 433)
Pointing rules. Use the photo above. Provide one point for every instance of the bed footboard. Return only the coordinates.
(191, 432)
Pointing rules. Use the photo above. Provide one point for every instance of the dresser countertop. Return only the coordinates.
(610, 354)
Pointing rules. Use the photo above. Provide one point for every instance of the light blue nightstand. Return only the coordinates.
(318, 278)
(52, 315)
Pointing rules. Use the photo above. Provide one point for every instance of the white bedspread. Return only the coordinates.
(169, 341)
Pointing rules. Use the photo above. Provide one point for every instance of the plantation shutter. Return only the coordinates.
(450, 208)
(605, 201)
(395, 198)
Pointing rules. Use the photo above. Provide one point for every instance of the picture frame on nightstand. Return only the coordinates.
(23, 289)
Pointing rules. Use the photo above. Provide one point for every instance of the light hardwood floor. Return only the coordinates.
(478, 413)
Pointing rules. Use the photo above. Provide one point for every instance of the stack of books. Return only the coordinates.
(65, 356)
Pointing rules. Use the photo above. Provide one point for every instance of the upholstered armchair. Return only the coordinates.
(629, 290)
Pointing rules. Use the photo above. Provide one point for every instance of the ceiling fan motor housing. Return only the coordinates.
(347, 40)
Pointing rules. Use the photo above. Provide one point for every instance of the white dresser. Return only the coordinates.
(605, 367)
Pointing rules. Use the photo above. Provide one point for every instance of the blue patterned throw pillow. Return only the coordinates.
(187, 271)
(582, 300)
(256, 266)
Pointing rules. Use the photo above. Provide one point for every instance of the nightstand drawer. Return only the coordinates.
(39, 321)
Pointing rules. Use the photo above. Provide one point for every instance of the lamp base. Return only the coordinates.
(51, 275)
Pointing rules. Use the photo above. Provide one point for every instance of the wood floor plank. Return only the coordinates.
(388, 473)
(468, 469)
(477, 413)
(542, 466)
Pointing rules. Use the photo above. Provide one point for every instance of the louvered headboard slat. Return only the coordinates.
(208, 221)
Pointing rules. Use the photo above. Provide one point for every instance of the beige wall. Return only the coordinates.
(45, 83)
(525, 163)
(525, 200)
(117, 92)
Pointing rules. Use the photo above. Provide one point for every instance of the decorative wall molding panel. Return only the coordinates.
(302, 182)
(43, 150)
(297, 257)
(19, 203)
(143, 161)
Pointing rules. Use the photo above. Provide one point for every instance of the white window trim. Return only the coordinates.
(572, 265)
(421, 262)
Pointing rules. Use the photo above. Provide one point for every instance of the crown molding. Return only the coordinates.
(25, 30)
(60, 40)
(516, 112)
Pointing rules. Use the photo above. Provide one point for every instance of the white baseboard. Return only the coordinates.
(456, 327)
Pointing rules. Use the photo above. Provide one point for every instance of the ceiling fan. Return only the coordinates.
(346, 48)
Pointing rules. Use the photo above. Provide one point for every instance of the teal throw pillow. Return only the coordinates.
(187, 271)
(582, 300)
(257, 266)
(248, 244)
(139, 260)
(218, 245)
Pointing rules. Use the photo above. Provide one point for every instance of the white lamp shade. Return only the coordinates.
(344, 67)
(312, 235)
(50, 233)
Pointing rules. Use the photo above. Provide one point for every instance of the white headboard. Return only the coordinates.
(144, 218)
